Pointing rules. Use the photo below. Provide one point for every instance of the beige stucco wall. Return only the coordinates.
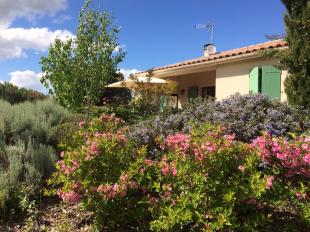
(233, 77)
(200, 80)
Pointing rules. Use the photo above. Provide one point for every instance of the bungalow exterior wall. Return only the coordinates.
(228, 79)
(234, 78)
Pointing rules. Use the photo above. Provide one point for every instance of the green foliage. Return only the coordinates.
(297, 58)
(22, 174)
(13, 94)
(77, 70)
(98, 159)
(27, 156)
(30, 121)
(204, 180)
(149, 98)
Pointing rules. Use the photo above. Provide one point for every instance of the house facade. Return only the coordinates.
(220, 75)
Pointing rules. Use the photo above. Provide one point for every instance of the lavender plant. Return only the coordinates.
(246, 116)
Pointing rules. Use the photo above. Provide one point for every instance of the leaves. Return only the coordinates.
(77, 70)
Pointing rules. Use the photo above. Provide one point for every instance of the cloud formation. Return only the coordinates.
(29, 9)
(127, 72)
(27, 79)
(14, 41)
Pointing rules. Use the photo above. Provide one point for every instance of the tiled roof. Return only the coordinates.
(227, 54)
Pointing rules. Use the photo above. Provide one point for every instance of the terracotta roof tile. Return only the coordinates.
(226, 54)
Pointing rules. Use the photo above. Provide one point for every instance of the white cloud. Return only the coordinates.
(127, 72)
(29, 9)
(13, 41)
(27, 79)
(1, 82)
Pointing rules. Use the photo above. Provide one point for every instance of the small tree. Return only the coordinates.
(151, 98)
(297, 58)
(77, 70)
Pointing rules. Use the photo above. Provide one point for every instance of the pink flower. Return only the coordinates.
(300, 196)
(94, 149)
(71, 196)
(82, 124)
(101, 188)
(115, 187)
(123, 178)
(153, 200)
(167, 194)
(62, 154)
(165, 170)
(241, 168)
(281, 156)
(173, 171)
(230, 138)
(307, 158)
(269, 182)
(178, 141)
(148, 162)
(87, 157)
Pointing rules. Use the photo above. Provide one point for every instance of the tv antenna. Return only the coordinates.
(208, 27)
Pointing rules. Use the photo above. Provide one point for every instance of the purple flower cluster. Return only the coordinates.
(246, 116)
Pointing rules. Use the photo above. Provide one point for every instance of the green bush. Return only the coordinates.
(30, 120)
(23, 172)
(204, 180)
(27, 152)
(14, 95)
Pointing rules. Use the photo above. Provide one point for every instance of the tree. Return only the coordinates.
(77, 70)
(297, 58)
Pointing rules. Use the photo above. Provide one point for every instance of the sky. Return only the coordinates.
(154, 33)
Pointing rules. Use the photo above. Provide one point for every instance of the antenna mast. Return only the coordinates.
(209, 27)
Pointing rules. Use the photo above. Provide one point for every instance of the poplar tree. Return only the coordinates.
(77, 70)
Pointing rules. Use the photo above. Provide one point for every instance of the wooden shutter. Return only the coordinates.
(192, 92)
(271, 82)
(254, 80)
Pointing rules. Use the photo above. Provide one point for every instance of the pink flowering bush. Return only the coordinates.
(90, 173)
(208, 181)
(204, 180)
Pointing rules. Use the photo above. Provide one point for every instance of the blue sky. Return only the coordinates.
(154, 33)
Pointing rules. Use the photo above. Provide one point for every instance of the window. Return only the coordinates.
(266, 80)
(208, 91)
(192, 92)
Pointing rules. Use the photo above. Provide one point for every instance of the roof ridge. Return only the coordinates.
(227, 53)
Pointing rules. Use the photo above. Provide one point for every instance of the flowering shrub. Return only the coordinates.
(208, 181)
(90, 173)
(204, 180)
(246, 116)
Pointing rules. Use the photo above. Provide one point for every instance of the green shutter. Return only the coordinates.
(254, 80)
(192, 92)
(271, 82)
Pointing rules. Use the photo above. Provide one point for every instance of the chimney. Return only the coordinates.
(209, 49)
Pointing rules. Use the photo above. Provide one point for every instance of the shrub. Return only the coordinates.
(246, 116)
(204, 180)
(23, 172)
(14, 95)
(27, 156)
(100, 155)
(30, 120)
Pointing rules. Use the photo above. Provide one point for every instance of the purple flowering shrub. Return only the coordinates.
(247, 116)
(203, 180)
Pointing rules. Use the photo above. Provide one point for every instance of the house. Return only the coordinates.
(222, 74)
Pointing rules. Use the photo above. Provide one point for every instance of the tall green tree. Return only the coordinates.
(297, 58)
(77, 70)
